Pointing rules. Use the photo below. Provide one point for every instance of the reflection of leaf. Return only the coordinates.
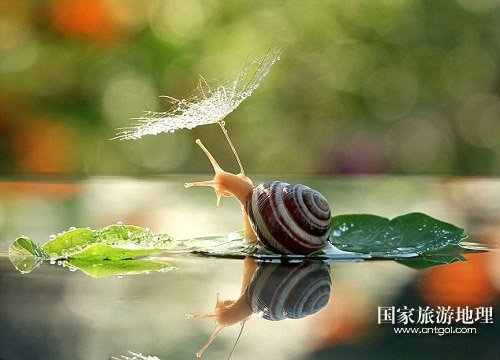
(103, 268)
(435, 258)
(26, 255)
(98, 251)
(410, 234)
(69, 242)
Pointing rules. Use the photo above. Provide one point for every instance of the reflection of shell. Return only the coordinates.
(280, 291)
(291, 219)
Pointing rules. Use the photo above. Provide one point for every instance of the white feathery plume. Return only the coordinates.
(135, 356)
(208, 105)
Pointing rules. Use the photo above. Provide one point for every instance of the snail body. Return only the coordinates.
(287, 218)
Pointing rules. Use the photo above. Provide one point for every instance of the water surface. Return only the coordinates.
(54, 313)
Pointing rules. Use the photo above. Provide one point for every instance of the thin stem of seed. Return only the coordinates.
(223, 128)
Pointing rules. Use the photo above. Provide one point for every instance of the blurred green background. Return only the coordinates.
(363, 87)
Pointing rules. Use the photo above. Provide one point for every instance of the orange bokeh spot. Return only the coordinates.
(459, 284)
(45, 146)
(39, 188)
(338, 323)
(91, 19)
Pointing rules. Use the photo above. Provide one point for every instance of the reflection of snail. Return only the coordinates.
(290, 219)
(274, 292)
(280, 291)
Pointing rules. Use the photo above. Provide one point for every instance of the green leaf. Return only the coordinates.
(233, 244)
(75, 241)
(69, 242)
(98, 251)
(414, 233)
(26, 255)
(123, 234)
(103, 268)
(131, 235)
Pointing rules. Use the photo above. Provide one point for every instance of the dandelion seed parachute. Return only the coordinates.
(208, 105)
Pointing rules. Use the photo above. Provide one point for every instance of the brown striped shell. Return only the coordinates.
(281, 291)
(289, 218)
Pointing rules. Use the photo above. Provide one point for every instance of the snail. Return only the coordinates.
(274, 291)
(287, 218)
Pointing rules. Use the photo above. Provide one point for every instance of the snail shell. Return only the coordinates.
(289, 218)
(280, 291)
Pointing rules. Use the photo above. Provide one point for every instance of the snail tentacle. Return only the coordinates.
(227, 184)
